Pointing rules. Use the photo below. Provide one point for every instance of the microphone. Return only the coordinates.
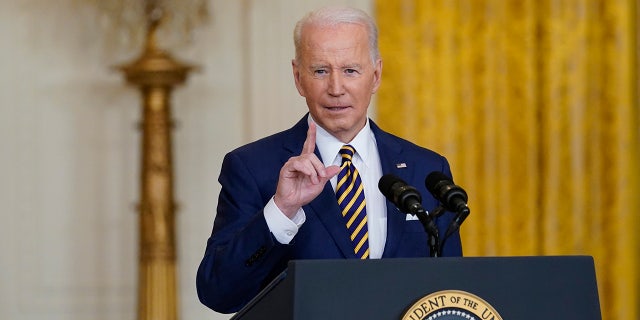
(408, 200)
(452, 197)
(404, 196)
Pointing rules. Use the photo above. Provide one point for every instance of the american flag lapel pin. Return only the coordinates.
(401, 165)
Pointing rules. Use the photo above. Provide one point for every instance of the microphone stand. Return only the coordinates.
(432, 230)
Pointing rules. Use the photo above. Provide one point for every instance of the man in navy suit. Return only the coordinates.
(278, 199)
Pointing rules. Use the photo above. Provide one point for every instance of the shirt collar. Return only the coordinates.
(329, 146)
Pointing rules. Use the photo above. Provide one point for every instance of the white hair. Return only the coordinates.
(332, 16)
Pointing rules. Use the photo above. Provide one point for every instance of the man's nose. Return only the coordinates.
(336, 84)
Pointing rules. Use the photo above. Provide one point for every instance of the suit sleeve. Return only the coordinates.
(241, 255)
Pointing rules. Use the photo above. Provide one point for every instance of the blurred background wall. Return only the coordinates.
(69, 145)
(69, 137)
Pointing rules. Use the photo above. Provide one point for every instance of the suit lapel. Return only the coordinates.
(393, 162)
(325, 207)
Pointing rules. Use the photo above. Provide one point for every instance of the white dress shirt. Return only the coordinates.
(367, 161)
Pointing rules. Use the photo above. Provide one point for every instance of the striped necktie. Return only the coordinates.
(350, 194)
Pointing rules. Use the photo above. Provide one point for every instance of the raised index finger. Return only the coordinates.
(310, 143)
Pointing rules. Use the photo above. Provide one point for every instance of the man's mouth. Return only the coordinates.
(337, 108)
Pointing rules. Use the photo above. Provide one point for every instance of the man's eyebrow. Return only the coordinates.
(326, 66)
(318, 66)
(352, 66)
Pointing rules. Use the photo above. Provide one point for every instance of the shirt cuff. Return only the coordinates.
(283, 228)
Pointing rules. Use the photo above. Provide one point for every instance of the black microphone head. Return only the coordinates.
(396, 190)
(433, 179)
(452, 197)
(442, 188)
(386, 185)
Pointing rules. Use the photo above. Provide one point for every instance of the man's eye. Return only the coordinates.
(350, 71)
(320, 72)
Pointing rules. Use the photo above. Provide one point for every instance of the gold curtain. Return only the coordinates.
(535, 105)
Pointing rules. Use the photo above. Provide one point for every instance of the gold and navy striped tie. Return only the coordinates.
(350, 194)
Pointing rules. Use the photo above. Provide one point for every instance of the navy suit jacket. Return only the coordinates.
(242, 256)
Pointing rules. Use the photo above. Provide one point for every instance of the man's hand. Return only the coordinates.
(302, 178)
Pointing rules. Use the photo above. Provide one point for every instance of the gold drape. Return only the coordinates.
(535, 105)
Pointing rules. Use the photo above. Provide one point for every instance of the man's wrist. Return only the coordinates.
(287, 211)
(282, 227)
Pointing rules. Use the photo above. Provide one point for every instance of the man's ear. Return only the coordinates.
(377, 75)
(296, 76)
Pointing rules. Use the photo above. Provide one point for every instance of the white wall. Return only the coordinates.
(69, 149)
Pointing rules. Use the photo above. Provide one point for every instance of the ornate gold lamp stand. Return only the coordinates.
(155, 73)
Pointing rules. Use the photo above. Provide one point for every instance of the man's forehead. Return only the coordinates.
(342, 46)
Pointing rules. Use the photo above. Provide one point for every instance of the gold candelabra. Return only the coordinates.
(155, 72)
